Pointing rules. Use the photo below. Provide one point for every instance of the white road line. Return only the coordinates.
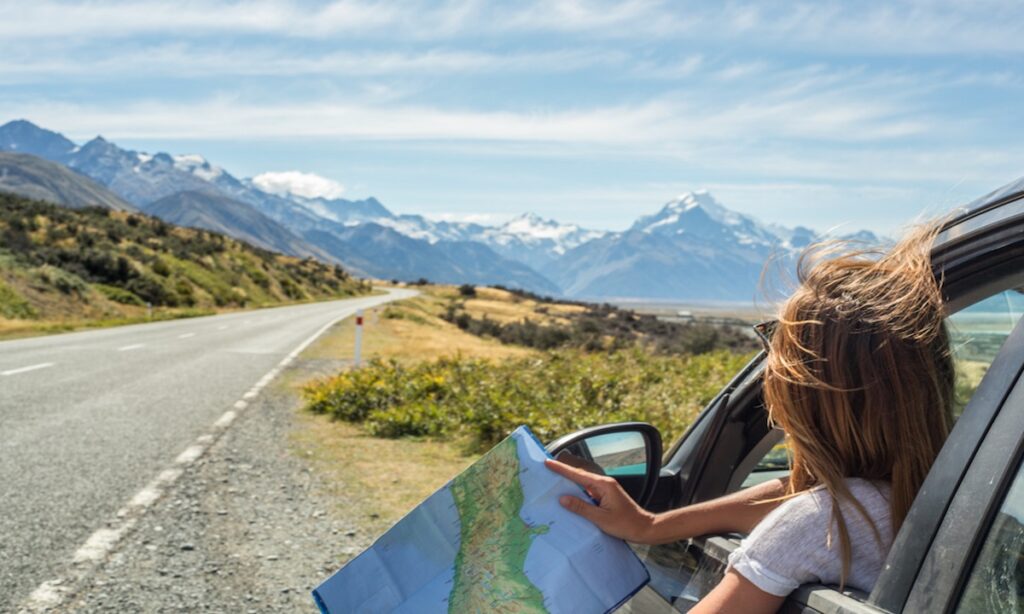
(133, 346)
(52, 593)
(186, 335)
(41, 365)
(101, 542)
(190, 454)
(226, 420)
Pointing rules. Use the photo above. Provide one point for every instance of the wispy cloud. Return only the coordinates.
(190, 60)
(903, 28)
(827, 116)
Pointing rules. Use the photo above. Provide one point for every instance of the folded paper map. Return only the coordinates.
(494, 539)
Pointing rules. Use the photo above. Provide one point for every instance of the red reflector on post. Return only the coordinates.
(359, 320)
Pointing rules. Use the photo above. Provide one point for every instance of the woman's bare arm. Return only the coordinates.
(736, 513)
(618, 515)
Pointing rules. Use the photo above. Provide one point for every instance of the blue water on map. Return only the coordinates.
(417, 555)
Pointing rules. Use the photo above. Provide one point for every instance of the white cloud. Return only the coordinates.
(297, 183)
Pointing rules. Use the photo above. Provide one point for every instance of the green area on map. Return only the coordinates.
(489, 574)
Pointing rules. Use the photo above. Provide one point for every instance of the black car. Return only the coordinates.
(961, 547)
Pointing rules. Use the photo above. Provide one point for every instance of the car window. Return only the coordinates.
(996, 583)
(975, 334)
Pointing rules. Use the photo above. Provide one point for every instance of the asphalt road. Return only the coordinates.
(88, 419)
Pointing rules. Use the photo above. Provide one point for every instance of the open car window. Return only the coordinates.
(684, 572)
(975, 333)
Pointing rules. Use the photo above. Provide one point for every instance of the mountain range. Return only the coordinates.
(693, 248)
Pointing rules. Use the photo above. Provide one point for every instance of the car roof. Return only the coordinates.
(1000, 209)
(1008, 193)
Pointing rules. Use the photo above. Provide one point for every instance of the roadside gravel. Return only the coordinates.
(248, 527)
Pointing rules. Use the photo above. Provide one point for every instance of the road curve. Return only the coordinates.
(88, 418)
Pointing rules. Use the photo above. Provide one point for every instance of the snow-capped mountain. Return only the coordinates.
(705, 219)
(533, 240)
(693, 247)
(345, 211)
(531, 229)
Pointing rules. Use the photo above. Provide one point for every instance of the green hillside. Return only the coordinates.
(69, 267)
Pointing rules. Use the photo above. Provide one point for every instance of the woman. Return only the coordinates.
(859, 376)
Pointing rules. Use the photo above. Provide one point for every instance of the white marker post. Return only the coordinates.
(359, 337)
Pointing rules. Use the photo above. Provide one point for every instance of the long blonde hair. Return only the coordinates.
(859, 373)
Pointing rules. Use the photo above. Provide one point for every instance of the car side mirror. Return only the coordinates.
(630, 452)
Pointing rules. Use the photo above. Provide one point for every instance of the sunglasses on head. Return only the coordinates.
(765, 331)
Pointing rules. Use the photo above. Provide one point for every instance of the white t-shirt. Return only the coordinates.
(790, 546)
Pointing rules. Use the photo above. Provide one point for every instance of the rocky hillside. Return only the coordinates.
(196, 209)
(34, 177)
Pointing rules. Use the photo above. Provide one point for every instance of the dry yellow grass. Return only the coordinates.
(504, 306)
(410, 330)
(379, 480)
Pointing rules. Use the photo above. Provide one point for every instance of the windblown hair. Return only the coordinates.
(859, 373)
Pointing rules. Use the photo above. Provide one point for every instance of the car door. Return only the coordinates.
(981, 257)
(975, 562)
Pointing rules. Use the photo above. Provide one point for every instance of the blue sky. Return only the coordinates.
(857, 115)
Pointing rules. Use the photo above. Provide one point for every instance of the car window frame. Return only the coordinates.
(942, 578)
(988, 263)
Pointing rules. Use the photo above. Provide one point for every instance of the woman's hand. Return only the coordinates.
(615, 513)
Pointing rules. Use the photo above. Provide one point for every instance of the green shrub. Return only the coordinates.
(160, 267)
(63, 281)
(602, 328)
(556, 393)
(119, 295)
(14, 305)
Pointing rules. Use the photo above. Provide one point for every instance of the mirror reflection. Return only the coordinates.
(619, 454)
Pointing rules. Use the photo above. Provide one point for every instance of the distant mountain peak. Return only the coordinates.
(98, 143)
(21, 124)
(696, 199)
(690, 211)
(23, 136)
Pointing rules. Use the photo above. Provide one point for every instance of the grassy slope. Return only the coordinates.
(62, 269)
